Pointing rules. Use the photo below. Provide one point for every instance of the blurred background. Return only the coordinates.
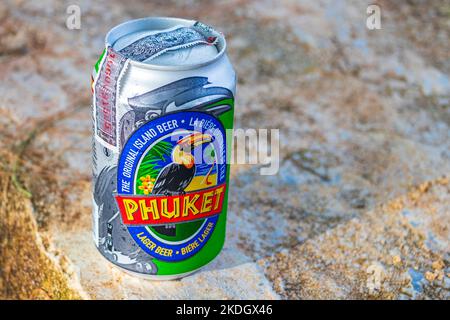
(360, 207)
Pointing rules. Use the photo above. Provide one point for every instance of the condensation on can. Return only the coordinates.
(163, 92)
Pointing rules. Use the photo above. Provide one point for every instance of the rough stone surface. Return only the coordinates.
(359, 208)
(31, 268)
(396, 251)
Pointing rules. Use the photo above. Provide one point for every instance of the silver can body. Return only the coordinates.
(155, 76)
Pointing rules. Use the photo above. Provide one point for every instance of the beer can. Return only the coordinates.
(163, 100)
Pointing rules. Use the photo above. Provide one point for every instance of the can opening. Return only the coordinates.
(167, 43)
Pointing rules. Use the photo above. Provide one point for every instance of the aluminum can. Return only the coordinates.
(163, 101)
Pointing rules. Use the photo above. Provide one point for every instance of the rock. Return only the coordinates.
(28, 269)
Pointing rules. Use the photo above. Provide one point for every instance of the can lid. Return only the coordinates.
(167, 42)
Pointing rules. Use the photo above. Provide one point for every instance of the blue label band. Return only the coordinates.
(172, 129)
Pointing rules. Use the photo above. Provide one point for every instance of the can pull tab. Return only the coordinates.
(151, 46)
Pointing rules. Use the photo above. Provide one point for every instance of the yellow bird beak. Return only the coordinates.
(195, 139)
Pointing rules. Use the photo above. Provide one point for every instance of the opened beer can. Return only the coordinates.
(163, 100)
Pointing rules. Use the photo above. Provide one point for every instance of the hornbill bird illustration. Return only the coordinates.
(191, 93)
(176, 176)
